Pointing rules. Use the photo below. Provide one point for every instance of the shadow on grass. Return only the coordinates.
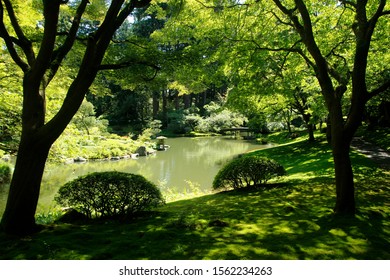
(287, 221)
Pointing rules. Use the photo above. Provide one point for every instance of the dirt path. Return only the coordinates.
(376, 154)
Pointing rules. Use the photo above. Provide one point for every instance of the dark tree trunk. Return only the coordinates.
(340, 142)
(345, 200)
(310, 130)
(18, 217)
(187, 101)
(156, 104)
(177, 101)
(164, 108)
(289, 127)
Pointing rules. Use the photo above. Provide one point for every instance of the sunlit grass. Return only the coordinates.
(290, 219)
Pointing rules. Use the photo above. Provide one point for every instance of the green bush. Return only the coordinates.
(5, 173)
(109, 194)
(247, 171)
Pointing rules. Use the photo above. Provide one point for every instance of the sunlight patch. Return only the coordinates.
(338, 232)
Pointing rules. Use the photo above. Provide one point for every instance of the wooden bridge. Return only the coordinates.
(244, 132)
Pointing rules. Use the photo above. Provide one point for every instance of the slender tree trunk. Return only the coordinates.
(177, 101)
(187, 101)
(156, 104)
(310, 130)
(310, 127)
(164, 108)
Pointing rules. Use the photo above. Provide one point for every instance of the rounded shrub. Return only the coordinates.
(109, 194)
(247, 171)
(5, 173)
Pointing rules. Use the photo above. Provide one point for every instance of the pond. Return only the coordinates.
(189, 164)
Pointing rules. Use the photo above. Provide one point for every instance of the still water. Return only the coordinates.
(188, 163)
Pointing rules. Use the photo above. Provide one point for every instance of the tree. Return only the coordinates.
(39, 51)
(333, 73)
(342, 42)
(85, 119)
(300, 104)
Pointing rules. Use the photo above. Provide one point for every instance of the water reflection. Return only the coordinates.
(189, 160)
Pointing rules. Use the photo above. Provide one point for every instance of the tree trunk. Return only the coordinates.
(18, 217)
(310, 129)
(156, 104)
(187, 101)
(289, 127)
(177, 101)
(164, 108)
(345, 189)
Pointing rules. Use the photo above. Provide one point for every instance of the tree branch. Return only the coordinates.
(128, 41)
(71, 36)
(346, 2)
(9, 42)
(221, 6)
(292, 49)
(51, 11)
(385, 86)
(379, 12)
(332, 71)
(280, 20)
(23, 42)
(129, 8)
(127, 64)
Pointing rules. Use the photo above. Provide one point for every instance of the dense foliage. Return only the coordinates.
(109, 194)
(247, 171)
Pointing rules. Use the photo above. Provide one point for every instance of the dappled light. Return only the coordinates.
(286, 221)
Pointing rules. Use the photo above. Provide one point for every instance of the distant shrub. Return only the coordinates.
(109, 194)
(5, 173)
(247, 171)
(275, 126)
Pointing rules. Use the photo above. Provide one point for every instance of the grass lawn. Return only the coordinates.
(290, 219)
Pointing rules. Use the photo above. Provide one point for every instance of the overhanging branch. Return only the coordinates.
(127, 64)
(385, 86)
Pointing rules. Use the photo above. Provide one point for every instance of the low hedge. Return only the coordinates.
(247, 171)
(109, 194)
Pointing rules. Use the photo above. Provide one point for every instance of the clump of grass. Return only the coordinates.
(47, 218)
